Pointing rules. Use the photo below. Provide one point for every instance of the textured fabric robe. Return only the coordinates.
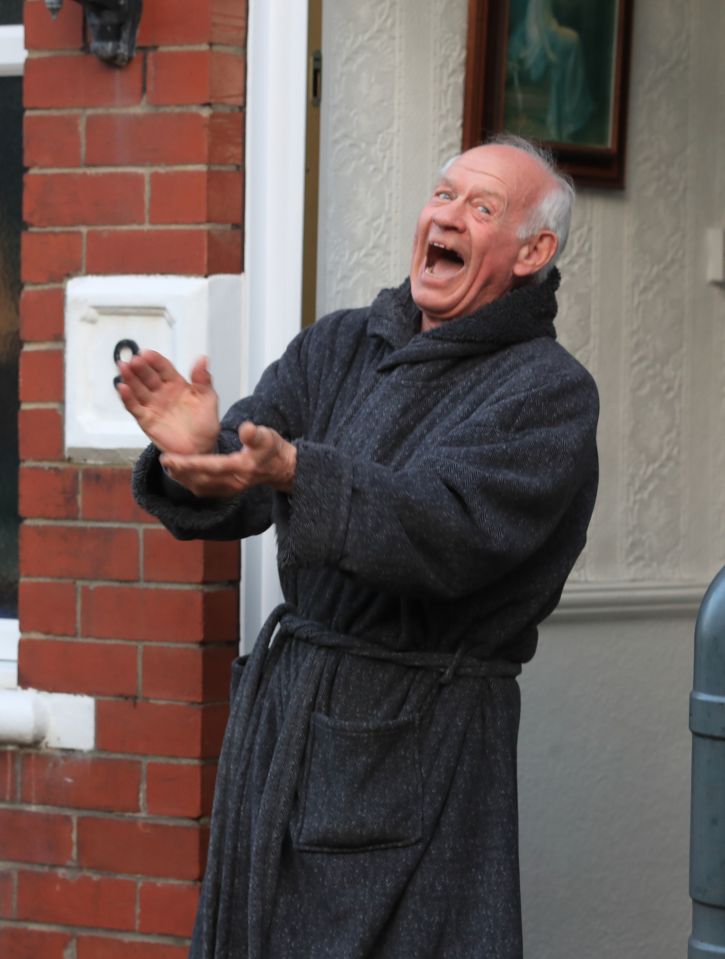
(366, 799)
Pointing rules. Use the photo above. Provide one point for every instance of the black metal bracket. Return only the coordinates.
(113, 26)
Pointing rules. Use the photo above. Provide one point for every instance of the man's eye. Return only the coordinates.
(482, 208)
(444, 195)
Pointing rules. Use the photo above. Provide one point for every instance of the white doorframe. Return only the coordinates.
(273, 229)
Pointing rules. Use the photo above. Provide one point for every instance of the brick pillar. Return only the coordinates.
(129, 171)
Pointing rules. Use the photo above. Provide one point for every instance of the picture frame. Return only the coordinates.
(554, 71)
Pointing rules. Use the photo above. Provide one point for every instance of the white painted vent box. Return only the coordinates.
(182, 317)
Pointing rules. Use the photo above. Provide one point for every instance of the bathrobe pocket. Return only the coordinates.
(361, 787)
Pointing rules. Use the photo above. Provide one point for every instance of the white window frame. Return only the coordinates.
(12, 64)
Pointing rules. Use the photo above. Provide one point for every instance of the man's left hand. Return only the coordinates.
(265, 459)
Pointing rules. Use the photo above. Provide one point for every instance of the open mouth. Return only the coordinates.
(442, 261)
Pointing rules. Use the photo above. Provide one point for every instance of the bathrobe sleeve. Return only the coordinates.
(457, 517)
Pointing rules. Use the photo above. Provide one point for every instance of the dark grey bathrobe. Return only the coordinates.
(366, 798)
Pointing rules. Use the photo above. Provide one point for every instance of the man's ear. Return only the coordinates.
(536, 252)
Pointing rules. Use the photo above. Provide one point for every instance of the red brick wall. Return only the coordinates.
(129, 171)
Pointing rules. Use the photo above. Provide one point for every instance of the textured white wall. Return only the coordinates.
(634, 304)
(391, 115)
(605, 748)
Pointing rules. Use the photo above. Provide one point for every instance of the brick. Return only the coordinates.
(224, 203)
(229, 22)
(225, 251)
(81, 81)
(214, 723)
(154, 729)
(180, 789)
(153, 138)
(140, 847)
(51, 141)
(192, 675)
(147, 251)
(19, 943)
(40, 435)
(47, 607)
(96, 947)
(8, 783)
(49, 492)
(42, 32)
(148, 729)
(79, 552)
(102, 669)
(50, 257)
(72, 199)
(41, 314)
(162, 25)
(168, 908)
(221, 615)
(166, 560)
(7, 893)
(67, 898)
(226, 138)
(59, 779)
(221, 21)
(226, 78)
(41, 376)
(179, 197)
(106, 495)
(195, 77)
(35, 837)
(179, 77)
(153, 615)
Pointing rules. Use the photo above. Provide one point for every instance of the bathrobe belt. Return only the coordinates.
(449, 665)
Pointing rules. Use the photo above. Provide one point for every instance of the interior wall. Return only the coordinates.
(604, 749)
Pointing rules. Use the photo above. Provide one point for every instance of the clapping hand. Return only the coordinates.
(181, 418)
(264, 459)
(177, 415)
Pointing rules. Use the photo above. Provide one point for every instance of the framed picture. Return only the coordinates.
(555, 71)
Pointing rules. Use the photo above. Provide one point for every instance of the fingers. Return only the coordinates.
(247, 432)
(200, 375)
(129, 400)
(209, 475)
(143, 370)
(163, 367)
(257, 437)
(141, 393)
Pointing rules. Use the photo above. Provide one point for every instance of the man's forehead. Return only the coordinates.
(514, 171)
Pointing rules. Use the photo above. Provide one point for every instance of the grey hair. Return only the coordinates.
(553, 211)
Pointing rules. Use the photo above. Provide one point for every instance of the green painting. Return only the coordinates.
(560, 71)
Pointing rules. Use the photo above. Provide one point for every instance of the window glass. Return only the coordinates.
(11, 170)
(11, 11)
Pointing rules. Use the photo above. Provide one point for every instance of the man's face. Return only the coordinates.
(466, 251)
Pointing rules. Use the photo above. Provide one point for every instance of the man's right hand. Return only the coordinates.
(177, 416)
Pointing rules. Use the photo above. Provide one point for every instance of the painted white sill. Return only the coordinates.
(30, 717)
(12, 51)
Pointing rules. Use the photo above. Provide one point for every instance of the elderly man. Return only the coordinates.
(429, 463)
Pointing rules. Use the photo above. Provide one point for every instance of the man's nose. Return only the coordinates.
(449, 216)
